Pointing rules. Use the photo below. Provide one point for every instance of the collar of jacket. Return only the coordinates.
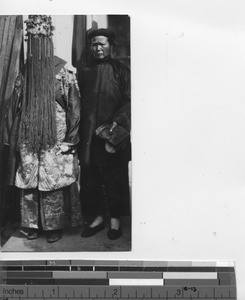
(102, 61)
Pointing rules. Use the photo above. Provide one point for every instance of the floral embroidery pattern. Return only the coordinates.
(39, 25)
(48, 170)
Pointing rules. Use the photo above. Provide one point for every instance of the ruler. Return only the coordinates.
(107, 279)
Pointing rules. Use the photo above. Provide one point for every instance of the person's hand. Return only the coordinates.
(107, 131)
(109, 148)
(65, 149)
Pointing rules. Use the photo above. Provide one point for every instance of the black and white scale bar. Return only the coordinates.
(119, 292)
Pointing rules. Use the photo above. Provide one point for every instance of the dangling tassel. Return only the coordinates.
(38, 119)
(30, 47)
(40, 49)
(45, 47)
(48, 48)
(38, 124)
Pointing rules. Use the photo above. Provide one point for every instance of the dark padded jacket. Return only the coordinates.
(105, 98)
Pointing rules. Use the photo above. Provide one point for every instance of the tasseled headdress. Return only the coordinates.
(38, 120)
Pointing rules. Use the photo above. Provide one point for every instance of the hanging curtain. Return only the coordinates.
(11, 60)
(79, 40)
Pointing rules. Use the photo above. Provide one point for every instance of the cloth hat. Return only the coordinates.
(102, 32)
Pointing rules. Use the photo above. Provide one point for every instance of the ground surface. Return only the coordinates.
(71, 241)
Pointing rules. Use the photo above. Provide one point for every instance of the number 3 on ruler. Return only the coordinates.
(178, 293)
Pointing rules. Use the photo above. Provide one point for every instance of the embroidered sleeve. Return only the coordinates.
(66, 79)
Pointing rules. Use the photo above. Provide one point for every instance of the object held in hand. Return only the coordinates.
(106, 131)
(117, 136)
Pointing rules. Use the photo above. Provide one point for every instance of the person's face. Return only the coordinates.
(100, 47)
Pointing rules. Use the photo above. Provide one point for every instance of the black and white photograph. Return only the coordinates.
(65, 149)
(122, 146)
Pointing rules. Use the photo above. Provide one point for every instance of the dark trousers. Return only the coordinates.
(105, 190)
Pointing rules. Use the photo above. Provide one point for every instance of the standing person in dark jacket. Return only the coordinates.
(105, 148)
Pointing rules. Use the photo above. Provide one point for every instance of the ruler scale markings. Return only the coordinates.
(225, 291)
(158, 292)
(174, 296)
(144, 292)
(35, 291)
(225, 273)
